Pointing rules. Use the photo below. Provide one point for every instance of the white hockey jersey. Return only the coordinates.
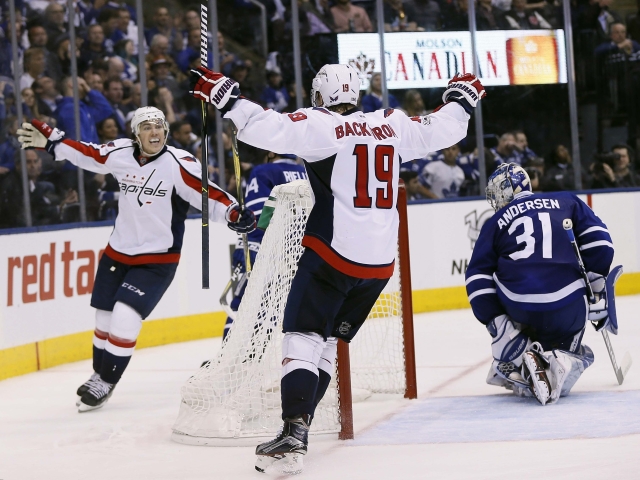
(353, 163)
(155, 194)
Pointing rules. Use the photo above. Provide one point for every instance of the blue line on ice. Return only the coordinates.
(499, 418)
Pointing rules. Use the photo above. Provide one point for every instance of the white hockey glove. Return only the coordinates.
(214, 88)
(38, 134)
(598, 313)
(466, 90)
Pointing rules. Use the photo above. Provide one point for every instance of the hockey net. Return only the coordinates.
(236, 395)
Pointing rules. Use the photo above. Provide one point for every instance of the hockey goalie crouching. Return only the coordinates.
(524, 284)
(158, 183)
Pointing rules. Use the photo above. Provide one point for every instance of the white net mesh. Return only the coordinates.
(237, 394)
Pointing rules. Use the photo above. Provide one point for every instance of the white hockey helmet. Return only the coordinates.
(148, 114)
(336, 84)
(505, 183)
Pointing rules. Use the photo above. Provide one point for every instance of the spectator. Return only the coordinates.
(95, 82)
(94, 108)
(161, 75)
(124, 49)
(46, 207)
(505, 151)
(34, 65)
(94, 48)
(127, 25)
(560, 175)
(37, 36)
(54, 21)
(349, 18)
(487, 15)
(10, 146)
(109, 20)
(597, 16)
(191, 20)
(411, 184)
(455, 15)
(614, 170)
(227, 58)
(372, 101)
(240, 73)
(426, 13)
(521, 18)
(159, 50)
(535, 168)
(114, 92)
(413, 105)
(181, 136)
(162, 98)
(47, 95)
(191, 50)
(275, 95)
(116, 69)
(135, 99)
(444, 177)
(6, 52)
(31, 109)
(522, 147)
(619, 43)
(316, 17)
(398, 18)
(108, 130)
(163, 24)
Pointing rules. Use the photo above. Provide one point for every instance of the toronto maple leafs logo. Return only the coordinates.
(475, 223)
(365, 66)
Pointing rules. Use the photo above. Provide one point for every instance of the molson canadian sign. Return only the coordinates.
(430, 59)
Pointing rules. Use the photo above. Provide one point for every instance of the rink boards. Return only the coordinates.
(46, 278)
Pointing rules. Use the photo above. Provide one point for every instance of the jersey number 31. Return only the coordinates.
(383, 169)
(529, 240)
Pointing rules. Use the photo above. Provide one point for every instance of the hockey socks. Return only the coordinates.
(99, 342)
(298, 389)
(116, 357)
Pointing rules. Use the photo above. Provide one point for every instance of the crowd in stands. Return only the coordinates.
(110, 91)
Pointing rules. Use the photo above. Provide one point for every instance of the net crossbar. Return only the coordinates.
(236, 395)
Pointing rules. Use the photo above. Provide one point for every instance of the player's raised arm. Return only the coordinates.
(446, 126)
(88, 156)
(307, 133)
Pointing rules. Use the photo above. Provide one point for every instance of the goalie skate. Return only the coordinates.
(535, 372)
(284, 453)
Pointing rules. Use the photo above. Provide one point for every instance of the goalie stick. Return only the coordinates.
(621, 370)
(205, 154)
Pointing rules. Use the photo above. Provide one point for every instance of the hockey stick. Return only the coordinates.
(205, 154)
(621, 371)
(237, 171)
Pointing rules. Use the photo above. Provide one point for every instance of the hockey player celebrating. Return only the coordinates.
(353, 161)
(157, 185)
(279, 169)
(524, 284)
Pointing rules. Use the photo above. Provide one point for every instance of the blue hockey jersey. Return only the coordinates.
(261, 181)
(523, 257)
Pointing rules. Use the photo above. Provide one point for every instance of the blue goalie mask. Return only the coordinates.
(505, 183)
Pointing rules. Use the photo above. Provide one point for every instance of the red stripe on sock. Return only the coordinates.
(119, 342)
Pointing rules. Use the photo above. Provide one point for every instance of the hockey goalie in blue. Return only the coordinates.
(525, 285)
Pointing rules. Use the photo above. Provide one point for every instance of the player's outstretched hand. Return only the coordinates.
(214, 88)
(466, 90)
(241, 220)
(38, 134)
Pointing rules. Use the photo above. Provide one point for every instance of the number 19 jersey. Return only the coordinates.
(353, 164)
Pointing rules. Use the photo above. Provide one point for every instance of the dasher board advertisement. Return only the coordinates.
(431, 59)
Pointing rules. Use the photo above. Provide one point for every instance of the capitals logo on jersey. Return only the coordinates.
(139, 186)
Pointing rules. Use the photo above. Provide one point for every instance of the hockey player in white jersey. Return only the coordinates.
(158, 183)
(525, 285)
(353, 163)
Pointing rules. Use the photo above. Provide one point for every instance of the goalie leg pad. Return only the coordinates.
(566, 368)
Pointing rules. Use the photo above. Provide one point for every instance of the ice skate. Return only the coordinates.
(535, 372)
(97, 395)
(284, 453)
(84, 388)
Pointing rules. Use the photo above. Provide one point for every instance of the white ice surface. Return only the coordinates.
(459, 428)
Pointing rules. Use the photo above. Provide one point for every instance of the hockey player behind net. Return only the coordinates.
(353, 163)
(524, 284)
(157, 183)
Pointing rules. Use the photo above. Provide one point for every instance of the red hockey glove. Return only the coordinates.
(466, 90)
(214, 88)
(241, 220)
